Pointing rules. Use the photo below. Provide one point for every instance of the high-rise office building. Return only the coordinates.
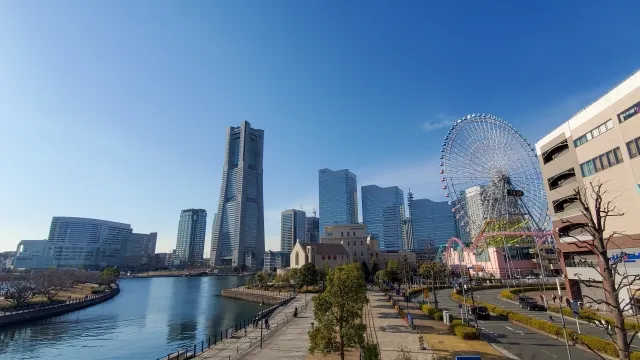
(74, 242)
(238, 232)
(191, 232)
(338, 192)
(140, 249)
(432, 222)
(383, 212)
(472, 213)
(312, 233)
(292, 228)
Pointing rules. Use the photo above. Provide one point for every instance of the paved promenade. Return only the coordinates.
(247, 345)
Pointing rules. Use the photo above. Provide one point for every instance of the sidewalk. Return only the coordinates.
(290, 342)
(394, 332)
(237, 346)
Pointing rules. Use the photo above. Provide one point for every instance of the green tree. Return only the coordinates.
(308, 275)
(338, 311)
(262, 279)
(434, 273)
(374, 267)
(365, 271)
(381, 277)
(108, 276)
(295, 276)
(393, 271)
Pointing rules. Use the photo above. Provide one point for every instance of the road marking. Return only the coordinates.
(509, 328)
(634, 346)
(549, 353)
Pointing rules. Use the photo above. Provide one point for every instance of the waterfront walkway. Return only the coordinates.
(246, 345)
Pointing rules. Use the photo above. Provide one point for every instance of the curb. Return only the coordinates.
(553, 312)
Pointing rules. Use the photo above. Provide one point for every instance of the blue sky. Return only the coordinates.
(118, 110)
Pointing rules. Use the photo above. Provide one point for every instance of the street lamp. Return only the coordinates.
(261, 321)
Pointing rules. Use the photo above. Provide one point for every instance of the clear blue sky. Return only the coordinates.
(118, 110)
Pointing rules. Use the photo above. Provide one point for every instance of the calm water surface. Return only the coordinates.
(147, 320)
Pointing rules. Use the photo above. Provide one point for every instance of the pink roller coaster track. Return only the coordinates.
(539, 237)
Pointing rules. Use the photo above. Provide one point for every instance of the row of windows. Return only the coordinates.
(355, 242)
(593, 133)
(633, 147)
(601, 162)
(629, 113)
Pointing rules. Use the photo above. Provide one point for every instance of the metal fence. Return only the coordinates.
(238, 332)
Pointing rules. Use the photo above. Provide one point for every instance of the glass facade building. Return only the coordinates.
(191, 232)
(292, 229)
(338, 201)
(431, 221)
(238, 230)
(312, 234)
(383, 212)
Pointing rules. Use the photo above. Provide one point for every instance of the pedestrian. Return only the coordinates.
(541, 299)
(554, 298)
(266, 323)
(560, 299)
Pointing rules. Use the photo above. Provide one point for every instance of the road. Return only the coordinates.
(491, 297)
(525, 344)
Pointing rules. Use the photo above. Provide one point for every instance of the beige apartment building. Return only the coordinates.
(601, 143)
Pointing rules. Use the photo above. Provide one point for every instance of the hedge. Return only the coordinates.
(429, 310)
(466, 332)
(585, 314)
(438, 316)
(597, 344)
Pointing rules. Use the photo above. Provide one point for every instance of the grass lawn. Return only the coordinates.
(77, 291)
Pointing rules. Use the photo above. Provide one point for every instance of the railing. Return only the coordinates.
(261, 292)
(239, 332)
(57, 304)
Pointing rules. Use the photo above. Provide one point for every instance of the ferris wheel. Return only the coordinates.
(490, 172)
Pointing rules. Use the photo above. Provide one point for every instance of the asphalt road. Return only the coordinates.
(491, 297)
(519, 341)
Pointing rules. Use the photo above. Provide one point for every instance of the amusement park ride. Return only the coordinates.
(491, 176)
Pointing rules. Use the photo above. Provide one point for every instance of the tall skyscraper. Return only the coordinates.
(312, 233)
(191, 232)
(383, 212)
(338, 192)
(238, 232)
(140, 249)
(292, 228)
(431, 222)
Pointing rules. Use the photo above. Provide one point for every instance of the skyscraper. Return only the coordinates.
(431, 222)
(338, 192)
(383, 212)
(292, 228)
(312, 233)
(191, 230)
(238, 232)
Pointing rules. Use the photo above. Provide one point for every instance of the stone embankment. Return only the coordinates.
(15, 317)
(255, 295)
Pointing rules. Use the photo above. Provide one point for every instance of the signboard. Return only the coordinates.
(512, 192)
(425, 293)
(575, 308)
(459, 306)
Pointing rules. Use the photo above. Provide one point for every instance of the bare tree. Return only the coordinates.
(597, 209)
(17, 289)
(50, 282)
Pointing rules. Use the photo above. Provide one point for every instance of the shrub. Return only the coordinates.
(438, 316)
(98, 290)
(465, 332)
(429, 310)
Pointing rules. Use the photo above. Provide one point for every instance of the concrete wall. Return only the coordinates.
(55, 310)
(256, 296)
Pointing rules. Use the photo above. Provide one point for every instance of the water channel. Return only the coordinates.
(150, 318)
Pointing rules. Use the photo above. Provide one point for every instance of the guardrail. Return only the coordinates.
(238, 331)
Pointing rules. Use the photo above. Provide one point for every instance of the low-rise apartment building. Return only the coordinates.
(600, 144)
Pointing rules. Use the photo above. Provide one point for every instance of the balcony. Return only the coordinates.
(556, 151)
(566, 203)
(566, 177)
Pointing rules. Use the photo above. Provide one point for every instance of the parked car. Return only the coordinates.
(479, 312)
(530, 304)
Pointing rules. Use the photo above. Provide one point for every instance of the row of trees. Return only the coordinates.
(19, 288)
(307, 275)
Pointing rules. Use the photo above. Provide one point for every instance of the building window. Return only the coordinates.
(633, 146)
(600, 129)
(601, 162)
(348, 243)
(342, 234)
(297, 258)
(629, 113)
(335, 257)
(355, 253)
(360, 242)
(322, 257)
(361, 253)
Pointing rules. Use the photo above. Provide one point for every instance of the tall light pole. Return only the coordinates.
(261, 321)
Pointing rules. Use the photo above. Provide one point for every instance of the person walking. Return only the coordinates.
(554, 298)
(266, 323)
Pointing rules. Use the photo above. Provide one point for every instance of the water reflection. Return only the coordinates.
(183, 311)
(149, 319)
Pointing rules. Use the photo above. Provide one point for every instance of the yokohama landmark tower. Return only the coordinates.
(238, 227)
